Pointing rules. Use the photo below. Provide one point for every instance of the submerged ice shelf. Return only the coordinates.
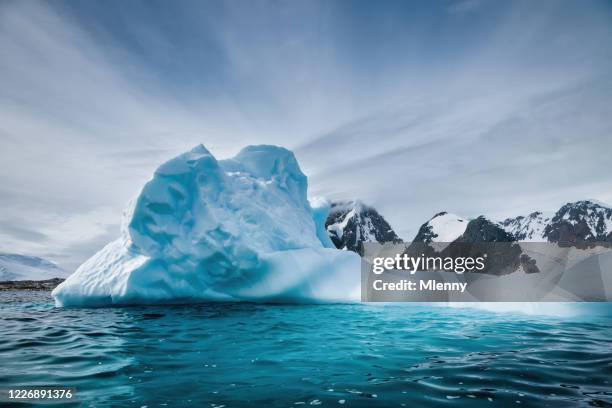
(208, 229)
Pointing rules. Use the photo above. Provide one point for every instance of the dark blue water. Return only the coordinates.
(233, 355)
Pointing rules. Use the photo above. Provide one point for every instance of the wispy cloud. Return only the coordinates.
(474, 107)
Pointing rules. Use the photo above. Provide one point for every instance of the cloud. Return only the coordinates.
(78, 138)
(534, 150)
(67, 238)
(18, 232)
(465, 106)
(70, 255)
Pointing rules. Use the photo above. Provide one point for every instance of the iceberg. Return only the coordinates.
(203, 229)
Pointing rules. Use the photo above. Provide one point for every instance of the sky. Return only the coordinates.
(415, 107)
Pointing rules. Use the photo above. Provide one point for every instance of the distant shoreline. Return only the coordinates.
(48, 284)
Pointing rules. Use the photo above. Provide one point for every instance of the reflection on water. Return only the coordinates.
(292, 355)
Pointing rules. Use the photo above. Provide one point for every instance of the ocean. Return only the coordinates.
(353, 355)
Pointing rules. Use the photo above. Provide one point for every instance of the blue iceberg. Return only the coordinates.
(219, 230)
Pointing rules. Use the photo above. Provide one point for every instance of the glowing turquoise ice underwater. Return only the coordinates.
(230, 354)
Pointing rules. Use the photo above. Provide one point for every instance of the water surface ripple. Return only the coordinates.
(233, 355)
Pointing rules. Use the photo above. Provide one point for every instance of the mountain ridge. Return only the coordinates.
(15, 267)
(350, 224)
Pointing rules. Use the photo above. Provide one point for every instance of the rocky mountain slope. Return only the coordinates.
(528, 228)
(578, 222)
(352, 223)
(574, 223)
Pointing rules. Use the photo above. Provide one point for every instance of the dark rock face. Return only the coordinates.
(528, 264)
(483, 230)
(481, 238)
(351, 223)
(580, 222)
(503, 254)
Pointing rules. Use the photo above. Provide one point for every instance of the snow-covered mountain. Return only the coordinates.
(582, 221)
(481, 229)
(23, 267)
(528, 228)
(450, 235)
(445, 227)
(442, 227)
(351, 223)
(577, 222)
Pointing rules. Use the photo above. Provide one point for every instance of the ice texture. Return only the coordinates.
(206, 229)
